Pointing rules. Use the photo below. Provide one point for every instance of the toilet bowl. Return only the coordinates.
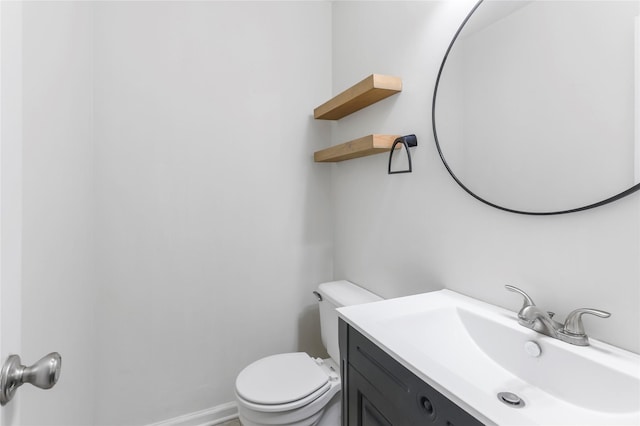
(287, 389)
(295, 389)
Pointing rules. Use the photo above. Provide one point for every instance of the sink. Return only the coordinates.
(470, 351)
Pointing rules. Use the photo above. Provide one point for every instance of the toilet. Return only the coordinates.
(295, 389)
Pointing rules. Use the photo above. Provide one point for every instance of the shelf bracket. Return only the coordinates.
(407, 141)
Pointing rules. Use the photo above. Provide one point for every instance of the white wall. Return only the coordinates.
(212, 219)
(412, 233)
(174, 222)
(58, 289)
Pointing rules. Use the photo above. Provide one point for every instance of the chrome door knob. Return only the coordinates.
(43, 374)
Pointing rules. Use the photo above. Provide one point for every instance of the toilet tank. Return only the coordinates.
(337, 294)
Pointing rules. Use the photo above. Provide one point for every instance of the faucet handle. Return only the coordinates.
(573, 324)
(527, 300)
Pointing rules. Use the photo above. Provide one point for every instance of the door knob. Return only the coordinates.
(43, 374)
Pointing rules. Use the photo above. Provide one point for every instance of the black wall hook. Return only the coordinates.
(407, 141)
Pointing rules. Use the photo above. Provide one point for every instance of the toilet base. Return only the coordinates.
(329, 416)
(310, 421)
(332, 413)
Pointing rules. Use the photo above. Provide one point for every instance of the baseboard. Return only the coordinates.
(208, 417)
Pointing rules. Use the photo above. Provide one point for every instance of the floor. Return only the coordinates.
(234, 422)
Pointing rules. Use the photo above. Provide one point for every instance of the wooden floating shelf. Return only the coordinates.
(361, 147)
(369, 91)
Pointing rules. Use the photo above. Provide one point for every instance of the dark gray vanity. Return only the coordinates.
(377, 390)
(442, 358)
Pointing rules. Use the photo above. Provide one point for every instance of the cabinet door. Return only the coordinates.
(368, 406)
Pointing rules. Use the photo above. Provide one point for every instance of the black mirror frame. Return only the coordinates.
(616, 197)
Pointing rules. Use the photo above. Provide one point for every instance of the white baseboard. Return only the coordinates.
(208, 417)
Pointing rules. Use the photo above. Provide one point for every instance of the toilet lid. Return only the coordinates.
(280, 379)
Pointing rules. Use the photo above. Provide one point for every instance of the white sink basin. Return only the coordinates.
(470, 351)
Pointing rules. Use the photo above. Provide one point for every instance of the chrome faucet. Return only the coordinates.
(572, 331)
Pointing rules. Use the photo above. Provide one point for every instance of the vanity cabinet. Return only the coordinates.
(379, 391)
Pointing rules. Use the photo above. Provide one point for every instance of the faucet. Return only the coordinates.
(572, 331)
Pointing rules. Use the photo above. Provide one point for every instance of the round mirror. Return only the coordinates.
(537, 103)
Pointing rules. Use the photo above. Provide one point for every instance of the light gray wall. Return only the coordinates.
(411, 233)
(58, 283)
(212, 219)
(174, 221)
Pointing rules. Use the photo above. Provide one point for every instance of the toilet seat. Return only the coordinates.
(283, 382)
(318, 384)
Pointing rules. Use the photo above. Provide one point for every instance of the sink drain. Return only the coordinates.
(511, 399)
